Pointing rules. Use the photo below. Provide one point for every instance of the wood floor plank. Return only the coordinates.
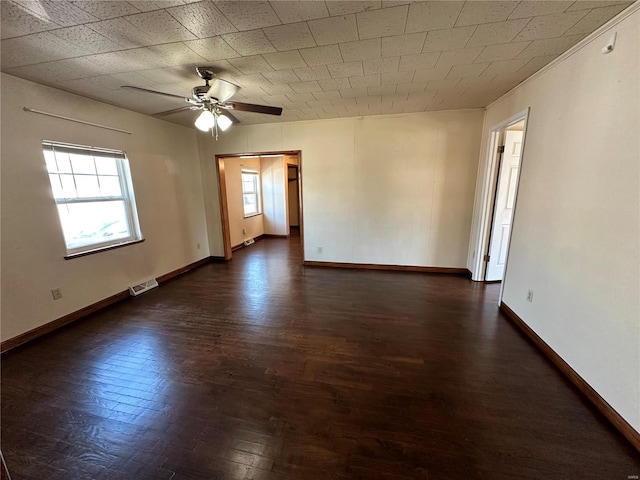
(261, 368)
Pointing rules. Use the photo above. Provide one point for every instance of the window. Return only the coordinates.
(250, 193)
(93, 191)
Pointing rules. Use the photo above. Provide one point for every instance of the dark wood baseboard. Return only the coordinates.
(242, 245)
(600, 403)
(61, 322)
(399, 268)
(88, 310)
(168, 276)
(255, 239)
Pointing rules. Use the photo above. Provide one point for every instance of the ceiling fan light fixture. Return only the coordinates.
(205, 121)
(224, 122)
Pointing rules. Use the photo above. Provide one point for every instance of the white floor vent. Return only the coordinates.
(143, 287)
(249, 241)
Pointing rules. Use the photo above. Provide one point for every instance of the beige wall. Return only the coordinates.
(164, 163)
(576, 230)
(392, 190)
(253, 226)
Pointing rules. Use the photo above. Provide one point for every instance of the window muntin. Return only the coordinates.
(251, 192)
(94, 195)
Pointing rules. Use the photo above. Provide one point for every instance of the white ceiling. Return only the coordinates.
(316, 59)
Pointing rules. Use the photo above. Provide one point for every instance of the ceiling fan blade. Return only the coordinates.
(175, 110)
(250, 107)
(146, 90)
(222, 90)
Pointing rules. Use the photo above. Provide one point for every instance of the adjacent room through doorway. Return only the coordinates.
(260, 196)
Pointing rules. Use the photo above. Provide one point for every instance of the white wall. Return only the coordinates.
(274, 202)
(576, 231)
(253, 226)
(394, 190)
(164, 163)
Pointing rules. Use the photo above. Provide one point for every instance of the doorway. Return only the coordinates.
(509, 154)
(271, 218)
(506, 144)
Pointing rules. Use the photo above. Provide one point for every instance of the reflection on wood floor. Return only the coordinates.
(263, 369)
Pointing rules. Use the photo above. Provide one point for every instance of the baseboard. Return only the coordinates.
(242, 245)
(600, 403)
(61, 322)
(168, 276)
(88, 310)
(398, 268)
(255, 239)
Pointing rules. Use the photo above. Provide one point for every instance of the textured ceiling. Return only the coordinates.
(316, 59)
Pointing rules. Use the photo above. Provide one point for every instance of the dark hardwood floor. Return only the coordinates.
(263, 369)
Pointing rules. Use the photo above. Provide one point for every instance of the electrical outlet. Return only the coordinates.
(244, 231)
(319, 250)
(56, 293)
(198, 245)
(530, 296)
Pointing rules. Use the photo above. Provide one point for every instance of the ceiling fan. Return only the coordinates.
(214, 100)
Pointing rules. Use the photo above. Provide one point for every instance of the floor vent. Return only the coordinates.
(249, 241)
(143, 287)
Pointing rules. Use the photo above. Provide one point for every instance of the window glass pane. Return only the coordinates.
(250, 206)
(82, 164)
(68, 186)
(64, 165)
(106, 166)
(50, 159)
(110, 186)
(94, 222)
(56, 186)
(87, 186)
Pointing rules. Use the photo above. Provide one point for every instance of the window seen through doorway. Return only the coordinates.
(251, 192)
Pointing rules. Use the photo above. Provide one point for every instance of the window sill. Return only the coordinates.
(254, 215)
(102, 249)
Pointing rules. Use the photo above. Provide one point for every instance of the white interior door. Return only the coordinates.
(503, 210)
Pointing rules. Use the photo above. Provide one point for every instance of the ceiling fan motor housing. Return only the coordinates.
(200, 92)
(205, 73)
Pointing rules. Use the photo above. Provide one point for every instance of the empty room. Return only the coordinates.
(320, 239)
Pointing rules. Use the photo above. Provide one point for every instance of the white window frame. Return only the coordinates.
(126, 196)
(256, 182)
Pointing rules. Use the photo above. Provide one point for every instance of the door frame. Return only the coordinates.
(489, 187)
(222, 195)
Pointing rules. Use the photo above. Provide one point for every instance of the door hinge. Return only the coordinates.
(487, 257)
(501, 149)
